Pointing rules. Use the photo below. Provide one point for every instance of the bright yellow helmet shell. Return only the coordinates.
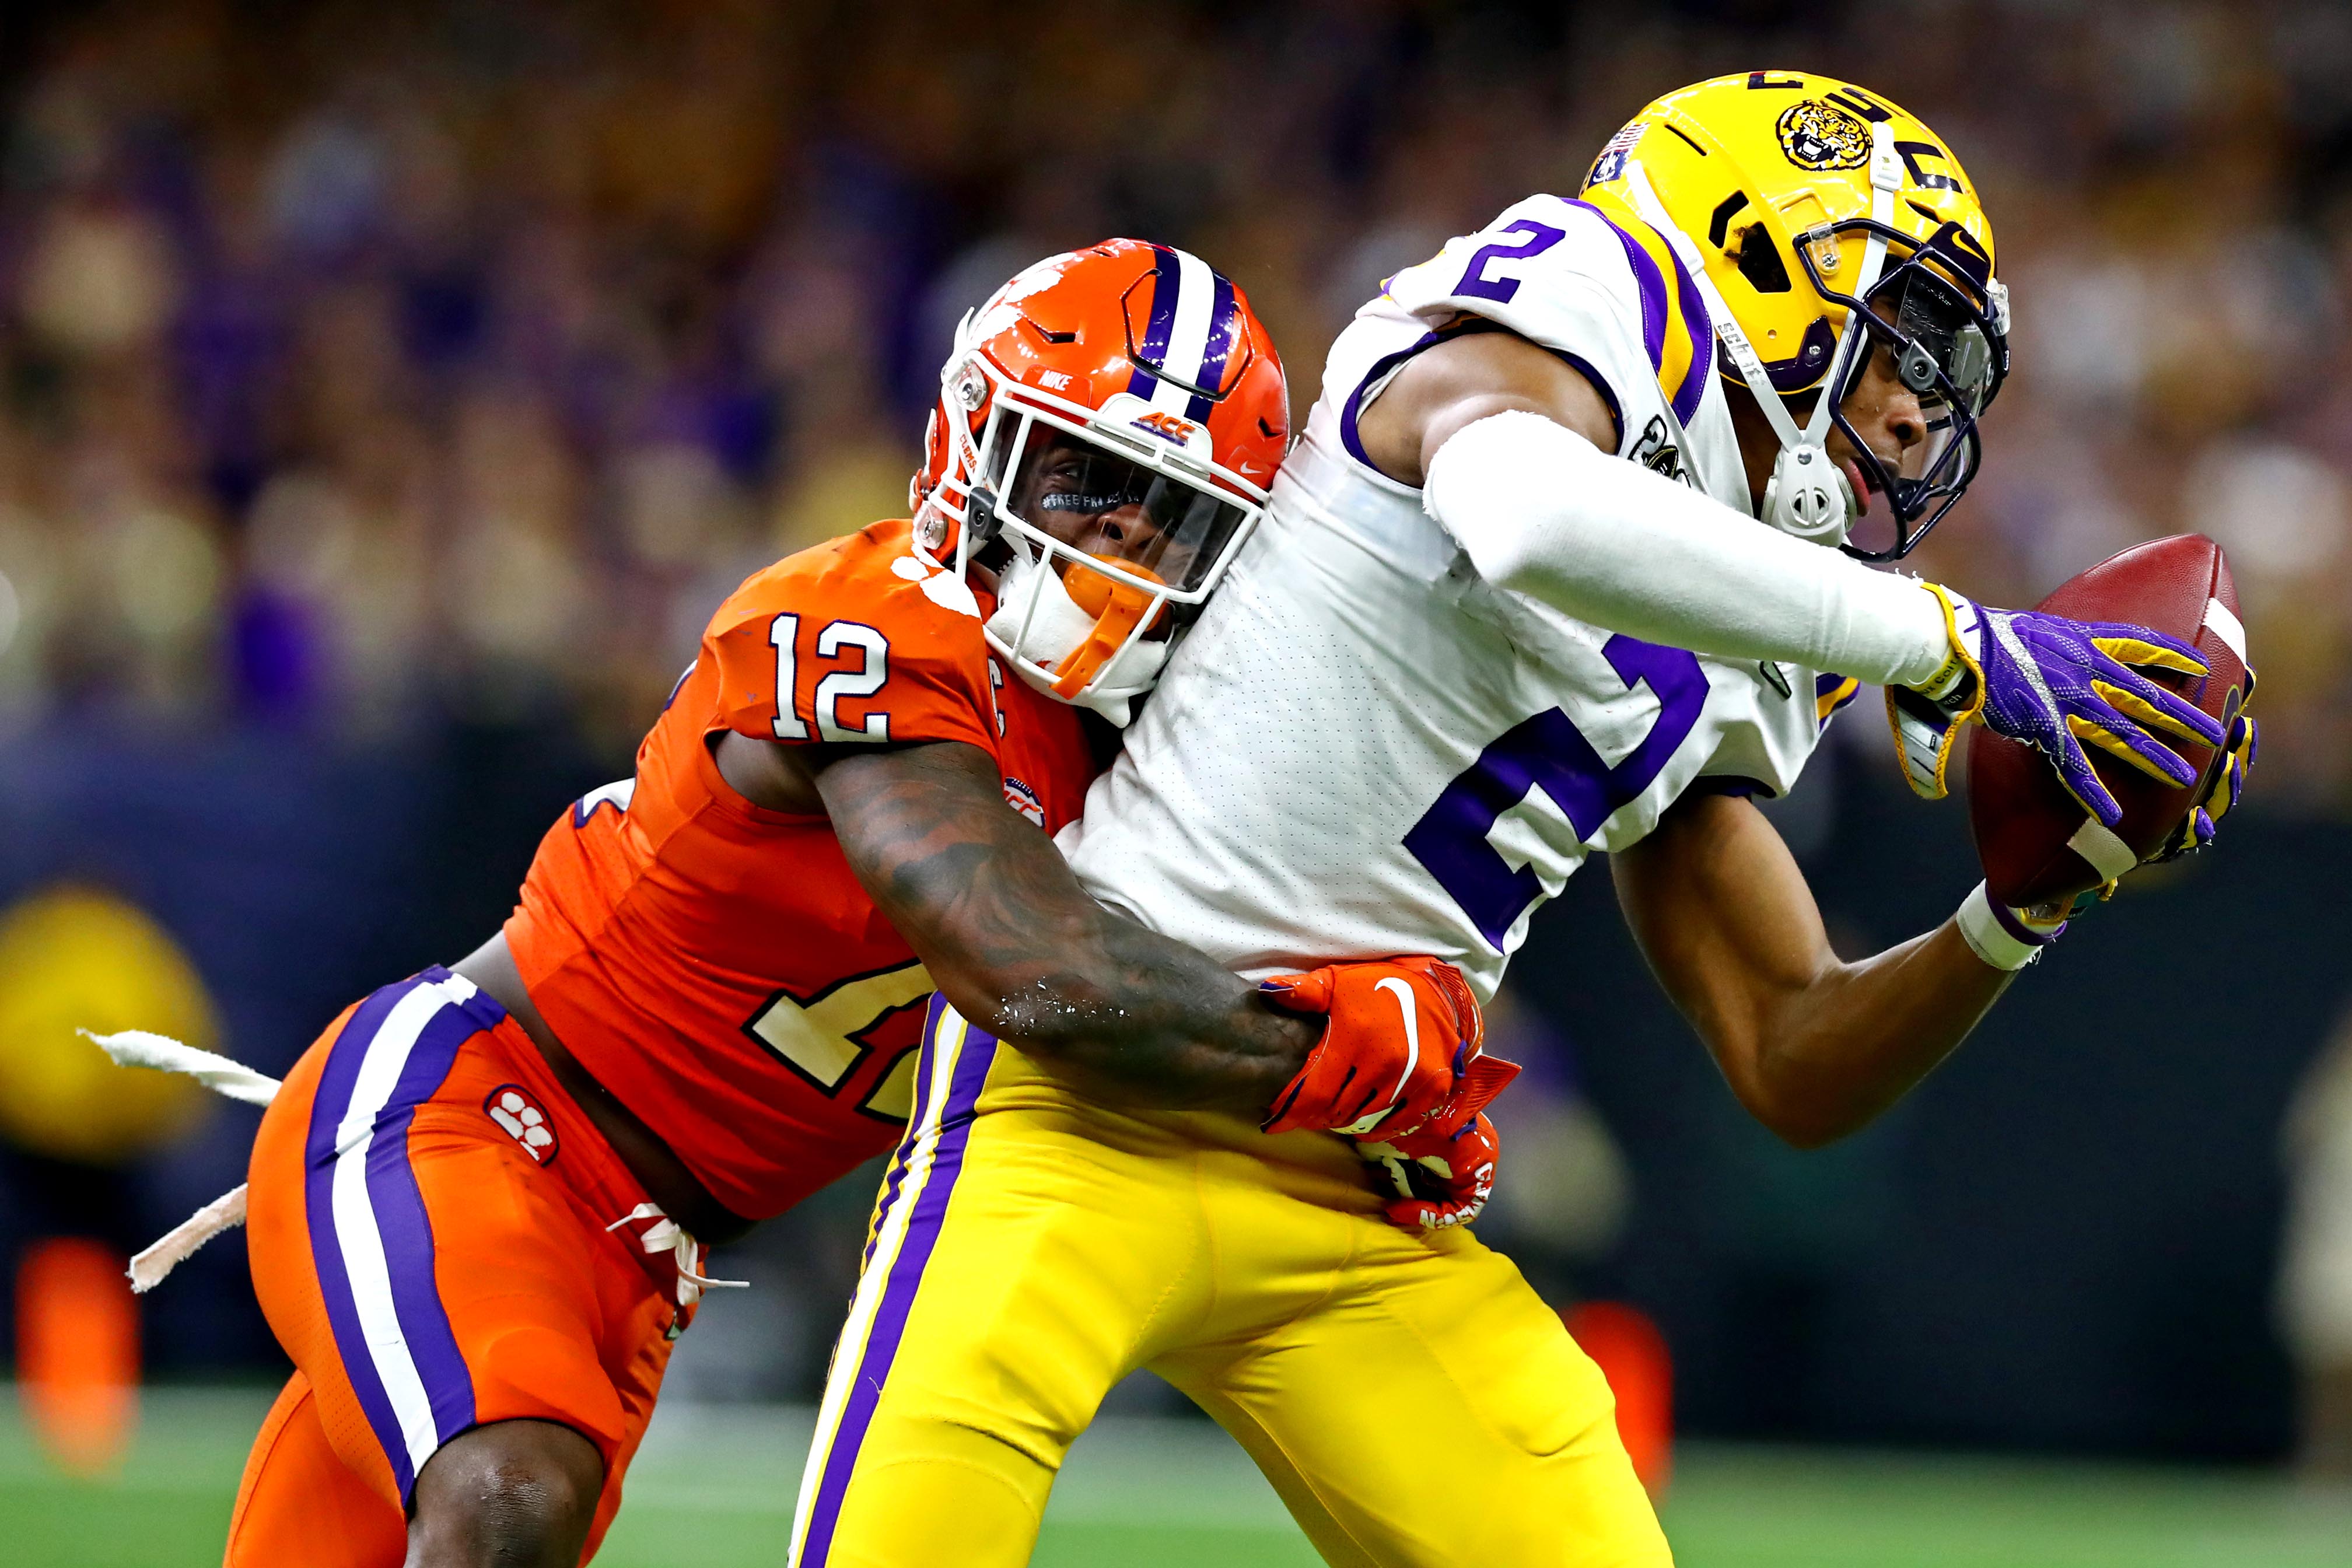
(1748, 166)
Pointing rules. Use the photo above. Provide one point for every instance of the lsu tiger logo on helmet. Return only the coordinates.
(1820, 136)
(1822, 223)
(1107, 427)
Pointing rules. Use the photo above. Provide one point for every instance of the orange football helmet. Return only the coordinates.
(1106, 429)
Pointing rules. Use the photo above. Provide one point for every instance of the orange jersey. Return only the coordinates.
(716, 965)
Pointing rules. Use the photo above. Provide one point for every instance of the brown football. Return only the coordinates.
(2025, 823)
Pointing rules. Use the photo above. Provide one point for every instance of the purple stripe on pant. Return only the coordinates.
(889, 1324)
(402, 1226)
(889, 1198)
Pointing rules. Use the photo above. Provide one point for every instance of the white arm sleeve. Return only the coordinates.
(1542, 511)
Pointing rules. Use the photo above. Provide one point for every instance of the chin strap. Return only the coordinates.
(1808, 496)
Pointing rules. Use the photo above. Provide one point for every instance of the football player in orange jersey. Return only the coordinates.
(480, 1204)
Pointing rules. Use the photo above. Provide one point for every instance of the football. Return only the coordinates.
(2035, 840)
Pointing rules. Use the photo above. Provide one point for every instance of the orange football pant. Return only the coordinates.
(427, 1228)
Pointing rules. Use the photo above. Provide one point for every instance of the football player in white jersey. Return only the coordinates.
(1564, 562)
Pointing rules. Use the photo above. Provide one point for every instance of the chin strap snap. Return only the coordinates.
(1809, 496)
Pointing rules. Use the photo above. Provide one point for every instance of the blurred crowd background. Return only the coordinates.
(363, 362)
(388, 393)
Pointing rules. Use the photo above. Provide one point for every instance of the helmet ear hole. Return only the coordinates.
(1759, 261)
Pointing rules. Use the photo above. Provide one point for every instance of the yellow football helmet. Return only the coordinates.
(1800, 204)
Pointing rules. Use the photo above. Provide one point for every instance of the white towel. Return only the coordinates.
(226, 1212)
(138, 1048)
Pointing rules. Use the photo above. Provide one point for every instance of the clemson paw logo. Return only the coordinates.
(1818, 135)
(512, 1108)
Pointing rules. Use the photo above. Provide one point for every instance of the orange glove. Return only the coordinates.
(1445, 1171)
(1402, 1033)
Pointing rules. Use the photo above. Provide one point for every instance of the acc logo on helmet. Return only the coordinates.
(1168, 426)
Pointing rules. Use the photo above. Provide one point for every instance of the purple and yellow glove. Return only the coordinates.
(2058, 686)
(2229, 783)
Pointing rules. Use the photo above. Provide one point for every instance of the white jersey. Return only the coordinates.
(1363, 748)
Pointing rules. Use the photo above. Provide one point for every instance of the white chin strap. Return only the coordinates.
(1035, 615)
(1039, 624)
(1808, 496)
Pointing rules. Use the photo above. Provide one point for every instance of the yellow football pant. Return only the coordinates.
(1410, 1397)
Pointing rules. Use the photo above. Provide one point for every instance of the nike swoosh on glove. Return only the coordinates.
(1445, 1171)
(2058, 686)
(1402, 1033)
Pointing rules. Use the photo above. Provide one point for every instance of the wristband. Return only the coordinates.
(1997, 935)
(1960, 679)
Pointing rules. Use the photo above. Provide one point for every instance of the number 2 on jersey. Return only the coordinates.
(1548, 753)
(1477, 285)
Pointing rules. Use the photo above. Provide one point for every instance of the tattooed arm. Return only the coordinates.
(1024, 951)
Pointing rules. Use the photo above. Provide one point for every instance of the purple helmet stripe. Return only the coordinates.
(1648, 280)
(1224, 327)
(1166, 284)
(906, 1272)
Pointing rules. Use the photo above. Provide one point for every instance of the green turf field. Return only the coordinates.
(714, 1489)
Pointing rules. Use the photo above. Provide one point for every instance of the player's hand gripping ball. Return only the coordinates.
(1401, 1036)
(2061, 685)
(2041, 841)
(2062, 682)
(1444, 1170)
(2229, 783)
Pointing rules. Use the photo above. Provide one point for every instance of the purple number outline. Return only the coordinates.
(1542, 236)
(1548, 753)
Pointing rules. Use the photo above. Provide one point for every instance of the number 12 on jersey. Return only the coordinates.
(1548, 752)
(838, 639)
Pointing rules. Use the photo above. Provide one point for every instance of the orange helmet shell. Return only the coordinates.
(1147, 355)
(1135, 338)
